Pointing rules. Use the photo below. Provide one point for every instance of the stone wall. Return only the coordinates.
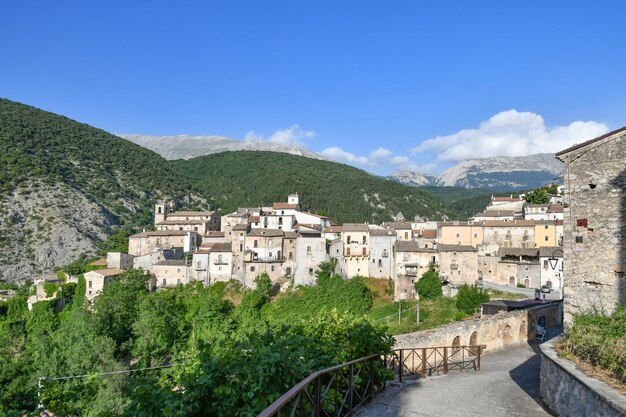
(595, 226)
(569, 392)
(495, 331)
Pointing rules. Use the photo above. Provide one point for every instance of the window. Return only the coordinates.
(385, 254)
(164, 282)
(406, 235)
(308, 250)
(178, 281)
(364, 239)
(256, 243)
(241, 247)
(180, 228)
(373, 261)
(251, 268)
(364, 251)
(545, 238)
(272, 268)
(199, 265)
(269, 243)
(545, 227)
(90, 284)
(348, 251)
(310, 271)
(349, 239)
(195, 229)
(219, 258)
(288, 271)
(291, 255)
(458, 235)
(270, 254)
(475, 234)
(545, 264)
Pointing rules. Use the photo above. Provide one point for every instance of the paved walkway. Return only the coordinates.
(508, 385)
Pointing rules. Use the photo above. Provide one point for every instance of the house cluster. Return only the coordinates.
(510, 243)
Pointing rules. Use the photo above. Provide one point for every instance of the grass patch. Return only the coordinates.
(504, 295)
(599, 341)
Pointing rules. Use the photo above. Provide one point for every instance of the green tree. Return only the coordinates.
(470, 297)
(429, 285)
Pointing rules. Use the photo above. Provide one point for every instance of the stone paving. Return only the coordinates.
(508, 385)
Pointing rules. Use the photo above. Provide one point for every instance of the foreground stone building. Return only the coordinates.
(594, 241)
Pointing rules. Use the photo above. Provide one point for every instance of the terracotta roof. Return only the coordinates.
(411, 246)
(512, 223)
(505, 199)
(534, 252)
(382, 232)
(254, 219)
(214, 233)
(333, 229)
(109, 272)
(291, 235)
(163, 233)
(284, 206)
(172, 262)
(191, 213)
(266, 233)
(240, 227)
(456, 248)
(398, 225)
(175, 222)
(589, 142)
(218, 247)
(555, 208)
(429, 234)
(355, 227)
(549, 251)
(496, 213)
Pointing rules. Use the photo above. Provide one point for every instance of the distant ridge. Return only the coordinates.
(187, 147)
(498, 174)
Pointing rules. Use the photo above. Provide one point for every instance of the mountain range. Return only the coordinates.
(66, 186)
(186, 147)
(496, 174)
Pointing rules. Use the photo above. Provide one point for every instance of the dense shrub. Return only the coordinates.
(470, 297)
(429, 285)
(600, 340)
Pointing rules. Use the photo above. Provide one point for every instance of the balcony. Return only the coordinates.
(266, 259)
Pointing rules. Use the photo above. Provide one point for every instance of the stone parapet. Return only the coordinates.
(569, 392)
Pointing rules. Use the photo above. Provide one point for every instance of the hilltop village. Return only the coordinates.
(511, 243)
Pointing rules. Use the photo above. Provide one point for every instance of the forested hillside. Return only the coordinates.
(64, 186)
(248, 179)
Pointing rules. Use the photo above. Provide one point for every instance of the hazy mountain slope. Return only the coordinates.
(505, 173)
(347, 194)
(185, 147)
(415, 179)
(64, 186)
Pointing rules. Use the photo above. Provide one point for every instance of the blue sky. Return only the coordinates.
(380, 85)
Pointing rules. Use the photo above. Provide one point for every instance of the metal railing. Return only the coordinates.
(339, 390)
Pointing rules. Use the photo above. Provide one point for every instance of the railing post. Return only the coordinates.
(480, 348)
(373, 379)
(350, 387)
(423, 362)
(401, 364)
(445, 360)
(318, 396)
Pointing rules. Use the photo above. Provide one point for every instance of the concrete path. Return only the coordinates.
(508, 385)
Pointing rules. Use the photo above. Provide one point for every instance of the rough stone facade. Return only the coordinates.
(569, 392)
(595, 225)
(495, 331)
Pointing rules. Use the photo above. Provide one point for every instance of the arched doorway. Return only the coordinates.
(507, 337)
(473, 341)
(456, 345)
(527, 283)
(512, 281)
(523, 331)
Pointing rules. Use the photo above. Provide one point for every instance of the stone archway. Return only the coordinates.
(456, 345)
(523, 331)
(526, 283)
(473, 341)
(512, 281)
(507, 336)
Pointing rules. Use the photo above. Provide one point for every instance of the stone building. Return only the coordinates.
(412, 260)
(594, 241)
(458, 263)
(165, 218)
(213, 262)
(171, 273)
(149, 242)
(96, 281)
(382, 261)
(355, 237)
(509, 234)
(460, 233)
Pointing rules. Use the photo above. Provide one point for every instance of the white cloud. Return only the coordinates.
(380, 160)
(293, 135)
(510, 133)
(339, 155)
